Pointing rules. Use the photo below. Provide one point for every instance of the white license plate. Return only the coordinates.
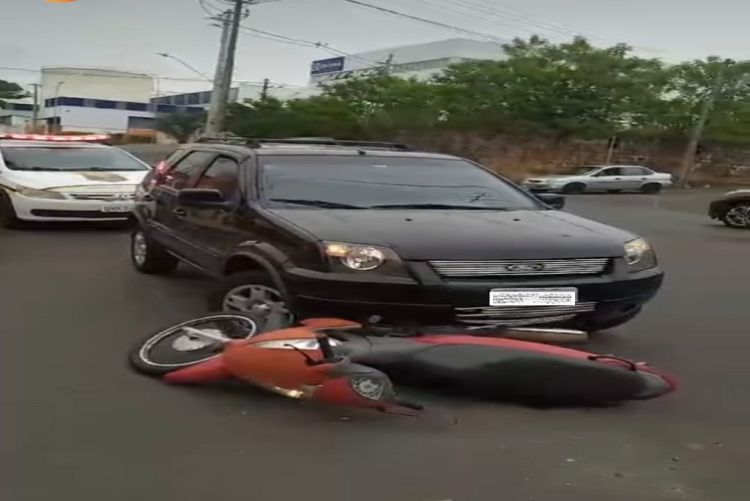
(534, 297)
(117, 208)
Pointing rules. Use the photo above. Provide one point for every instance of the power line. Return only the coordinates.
(306, 43)
(481, 14)
(491, 38)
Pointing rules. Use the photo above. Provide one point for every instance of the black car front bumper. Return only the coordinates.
(429, 299)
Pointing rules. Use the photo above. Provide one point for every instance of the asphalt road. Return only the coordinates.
(78, 425)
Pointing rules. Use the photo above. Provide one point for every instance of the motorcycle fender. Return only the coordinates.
(210, 371)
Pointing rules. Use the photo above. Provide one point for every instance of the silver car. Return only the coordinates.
(603, 178)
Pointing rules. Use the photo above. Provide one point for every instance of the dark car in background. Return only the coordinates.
(377, 232)
(732, 208)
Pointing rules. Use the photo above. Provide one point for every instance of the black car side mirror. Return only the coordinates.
(554, 201)
(202, 198)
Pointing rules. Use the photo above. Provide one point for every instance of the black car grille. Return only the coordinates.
(520, 267)
(520, 315)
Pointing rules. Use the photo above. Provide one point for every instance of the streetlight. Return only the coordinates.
(185, 64)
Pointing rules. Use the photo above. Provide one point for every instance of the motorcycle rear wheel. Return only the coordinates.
(172, 348)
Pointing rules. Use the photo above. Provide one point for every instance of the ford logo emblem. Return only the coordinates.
(525, 267)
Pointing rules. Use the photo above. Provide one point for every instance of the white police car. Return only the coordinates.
(66, 178)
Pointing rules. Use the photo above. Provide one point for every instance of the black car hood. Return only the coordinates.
(438, 234)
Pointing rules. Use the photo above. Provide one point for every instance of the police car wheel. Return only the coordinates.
(8, 218)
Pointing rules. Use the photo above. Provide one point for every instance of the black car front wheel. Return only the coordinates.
(255, 293)
(737, 215)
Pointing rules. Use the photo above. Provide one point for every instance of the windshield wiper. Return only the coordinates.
(37, 168)
(436, 206)
(316, 203)
(102, 169)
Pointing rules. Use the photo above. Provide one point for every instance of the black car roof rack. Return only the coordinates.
(305, 141)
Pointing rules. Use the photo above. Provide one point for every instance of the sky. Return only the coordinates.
(127, 34)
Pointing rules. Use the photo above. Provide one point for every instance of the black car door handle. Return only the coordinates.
(180, 212)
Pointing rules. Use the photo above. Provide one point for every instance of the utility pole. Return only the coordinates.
(215, 120)
(692, 147)
(610, 149)
(35, 108)
(264, 92)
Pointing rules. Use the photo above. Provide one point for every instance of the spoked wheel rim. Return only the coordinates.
(262, 301)
(739, 216)
(177, 347)
(140, 248)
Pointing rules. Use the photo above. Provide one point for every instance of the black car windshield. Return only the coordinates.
(386, 183)
(57, 158)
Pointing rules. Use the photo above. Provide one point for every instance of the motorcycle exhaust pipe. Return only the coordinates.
(542, 335)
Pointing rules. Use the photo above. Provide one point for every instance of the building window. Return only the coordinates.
(71, 101)
(101, 103)
(206, 97)
(179, 99)
(194, 98)
(136, 106)
(166, 108)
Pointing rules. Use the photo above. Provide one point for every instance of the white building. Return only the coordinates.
(16, 115)
(421, 61)
(104, 101)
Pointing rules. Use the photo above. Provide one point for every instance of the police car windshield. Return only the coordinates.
(69, 159)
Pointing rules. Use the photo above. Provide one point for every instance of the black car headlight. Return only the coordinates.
(343, 256)
(639, 255)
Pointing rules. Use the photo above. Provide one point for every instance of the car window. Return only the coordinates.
(634, 171)
(367, 181)
(178, 176)
(612, 171)
(69, 158)
(222, 175)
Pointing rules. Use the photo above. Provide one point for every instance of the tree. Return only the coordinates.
(570, 89)
(10, 90)
(692, 83)
(180, 125)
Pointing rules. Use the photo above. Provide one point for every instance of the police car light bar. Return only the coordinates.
(47, 137)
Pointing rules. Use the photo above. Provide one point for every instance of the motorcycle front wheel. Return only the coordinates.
(180, 345)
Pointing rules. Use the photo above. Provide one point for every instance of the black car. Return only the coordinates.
(732, 208)
(377, 232)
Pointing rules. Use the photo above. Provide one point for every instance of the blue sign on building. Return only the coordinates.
(327, 65)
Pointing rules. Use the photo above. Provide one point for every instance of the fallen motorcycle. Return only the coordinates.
(346, 363)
